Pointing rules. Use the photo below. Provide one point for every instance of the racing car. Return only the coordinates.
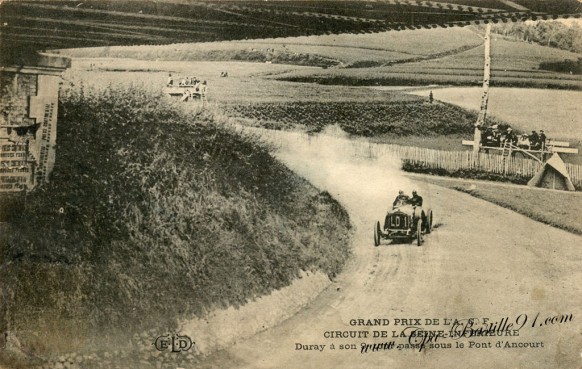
(405, 221)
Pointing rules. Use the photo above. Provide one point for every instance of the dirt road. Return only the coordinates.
(482, 262)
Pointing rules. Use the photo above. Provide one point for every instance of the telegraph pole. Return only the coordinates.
(485, 98)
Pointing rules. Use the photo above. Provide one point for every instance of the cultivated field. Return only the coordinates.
(343, 49)
(389, 58)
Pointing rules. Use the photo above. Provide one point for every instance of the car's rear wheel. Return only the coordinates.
(429, 223)
(377, 233)
(419, 232)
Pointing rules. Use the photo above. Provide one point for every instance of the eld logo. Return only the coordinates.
(174, 343)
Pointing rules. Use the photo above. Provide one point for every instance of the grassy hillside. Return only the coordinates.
(328, 50)
(505, 55)
(153, 214)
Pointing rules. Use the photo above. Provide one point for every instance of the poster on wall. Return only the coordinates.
(290, 184)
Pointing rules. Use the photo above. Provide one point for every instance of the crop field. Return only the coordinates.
(282, 53)
(399, 118)
(417, 42)
(389, 58)
(368, 77)
(55, 24)
(283, 96)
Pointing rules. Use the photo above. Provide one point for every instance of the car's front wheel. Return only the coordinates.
(377, 233)
(419, 232)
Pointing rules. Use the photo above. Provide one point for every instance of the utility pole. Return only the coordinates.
(485, 98)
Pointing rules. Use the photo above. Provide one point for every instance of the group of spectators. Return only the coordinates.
(193, 87)
(535, 141)
(495, 137)
(189, 81)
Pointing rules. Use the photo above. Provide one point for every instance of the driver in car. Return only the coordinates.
(400, 199)
(416, 199)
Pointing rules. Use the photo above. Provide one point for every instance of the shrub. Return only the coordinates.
(409, 166)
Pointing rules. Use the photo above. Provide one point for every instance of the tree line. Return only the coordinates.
(552, 34)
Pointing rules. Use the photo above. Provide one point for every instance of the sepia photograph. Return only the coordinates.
(290, 184)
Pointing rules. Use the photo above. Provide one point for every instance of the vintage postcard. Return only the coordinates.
(291, 184)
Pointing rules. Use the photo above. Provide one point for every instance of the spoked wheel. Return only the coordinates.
(429, 223)
(419, 232)
(377, 234)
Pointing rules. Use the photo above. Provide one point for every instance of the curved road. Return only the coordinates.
(482, 261)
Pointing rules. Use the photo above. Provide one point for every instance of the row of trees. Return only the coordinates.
(553, 34)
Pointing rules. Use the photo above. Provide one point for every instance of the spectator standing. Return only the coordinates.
(510, 136)
(542, 140)
(534, 141)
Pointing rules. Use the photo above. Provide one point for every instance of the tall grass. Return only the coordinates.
(153, 213)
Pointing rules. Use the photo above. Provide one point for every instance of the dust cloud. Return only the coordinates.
(365, 180)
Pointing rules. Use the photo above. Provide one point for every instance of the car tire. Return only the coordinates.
(429, 223)
(377, 234)
(419, 232)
